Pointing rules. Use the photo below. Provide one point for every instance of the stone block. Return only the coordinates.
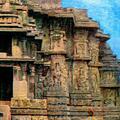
(110, 117)
(21, 117)
(3, 55)
(20, 89)
(20, 103)
(39, 118)
(16, 52)
(5, 109)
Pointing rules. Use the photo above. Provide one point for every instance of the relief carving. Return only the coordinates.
(57, 75)
(58, 72)
(39, 118)
(43, 82)
(79, 49)
(109, 97)
(80, 77)
(81, 36)
(58, 40)
(95, 84)
(20, 103)
(94, 50)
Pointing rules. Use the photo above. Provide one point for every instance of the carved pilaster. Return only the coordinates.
(57, 38)
(81, 48)
(24, 47)
(42, 84)
(24, 71)
(80, 93)
(20, 88)
(31, 81)
(80, 76)
(59, 73)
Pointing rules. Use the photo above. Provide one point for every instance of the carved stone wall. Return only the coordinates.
(81, 44)
(57, 74)
(80, 76)
(95, 80)
(57, 39)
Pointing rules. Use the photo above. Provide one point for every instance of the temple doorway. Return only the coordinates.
(6, 84)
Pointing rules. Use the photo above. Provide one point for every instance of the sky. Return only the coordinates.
(106, 13)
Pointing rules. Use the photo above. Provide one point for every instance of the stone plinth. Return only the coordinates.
(80, 99)
(39, 118)
(81, 113)
(21, 117)
(29, 109)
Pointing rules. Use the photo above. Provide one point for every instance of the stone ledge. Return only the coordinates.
(26, 103)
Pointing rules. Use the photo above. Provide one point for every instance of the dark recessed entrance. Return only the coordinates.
(6, 83)
(6, 44)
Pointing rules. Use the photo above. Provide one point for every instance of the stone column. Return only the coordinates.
(80, 93)
(20, 87)
(32, 82)
(19, 84)
(24, 46)
(57, 96)
(94, 74)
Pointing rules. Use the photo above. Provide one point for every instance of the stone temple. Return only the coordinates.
(55, 64)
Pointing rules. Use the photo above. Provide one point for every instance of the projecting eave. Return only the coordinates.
(79, 16)
(88, 24)
(102, 37)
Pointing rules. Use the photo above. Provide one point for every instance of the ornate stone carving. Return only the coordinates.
(57, 41)
(81, 44)
(79, 50)
(109, 97)
(80, 78)
(39, 118)
(43, 83)
(95, 81)
(27, 103)
(20, 103)
(59, 73)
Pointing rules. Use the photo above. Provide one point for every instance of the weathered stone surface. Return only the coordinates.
(39, 118)
(61, 64)
(21, 117)
(20, 89)
(5, 109)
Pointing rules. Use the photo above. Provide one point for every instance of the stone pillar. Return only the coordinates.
(19, 84)
(20, 87)
(24, 46)
(94, 74)
(20, 91)
(80, 93)
(57, 96)
(32, 82)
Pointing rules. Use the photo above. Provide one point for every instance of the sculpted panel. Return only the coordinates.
(95, 81)
(39, 118)
(79, 49)
(59, 73)
(109, 97)
(43, 83)
(57, 39)
(80, 78)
